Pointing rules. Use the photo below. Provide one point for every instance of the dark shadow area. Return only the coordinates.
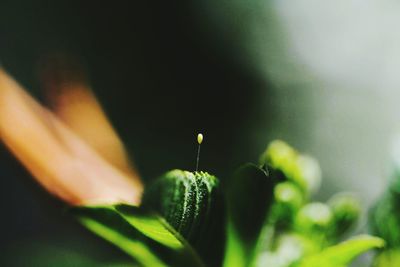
(161, 79)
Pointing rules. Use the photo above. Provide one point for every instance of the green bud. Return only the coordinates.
(290, 248)
(279, 155)
(346, 211)
(314, 218)
(308, 173)
(289, 194)
(300, 169)
(288, 200)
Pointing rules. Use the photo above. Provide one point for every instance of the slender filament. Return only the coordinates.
(198, 157)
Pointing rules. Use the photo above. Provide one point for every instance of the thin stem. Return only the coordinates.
(198, 158)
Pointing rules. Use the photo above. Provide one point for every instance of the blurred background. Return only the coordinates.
(321, 75)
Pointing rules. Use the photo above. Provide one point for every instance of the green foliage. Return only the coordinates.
(144, 236)
(385, 223)
(264, 219)
(183, 199)
(250, 196)
(385, 219)
(342, 254)
(295, 228)
(314, 219)
(346, 212)
(387, 258)
(300, 169)
(193, 204)
(289, 198)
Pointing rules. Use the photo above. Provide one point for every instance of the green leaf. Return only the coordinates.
(153, 227)
(387, 258)
(288, 248)
(235, 251)
(143, 235)
(342, 254)
(194, 205)
(385, 219)
(250, 197)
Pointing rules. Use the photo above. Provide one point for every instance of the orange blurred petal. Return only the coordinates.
(77, 107)
(57, 157)
(72, 100)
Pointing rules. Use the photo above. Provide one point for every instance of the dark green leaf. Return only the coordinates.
(385, 219)
(193, 204)
(250, 196)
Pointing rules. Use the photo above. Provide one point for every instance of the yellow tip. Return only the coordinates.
(199, 138)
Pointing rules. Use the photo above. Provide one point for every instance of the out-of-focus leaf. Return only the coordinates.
(235, 252)
(143, 235)
(289, 248)
(48, 253)
(250, 196)
(385, 219)
(301, 169)
(388, 258)
(110, 225)
(342, 254)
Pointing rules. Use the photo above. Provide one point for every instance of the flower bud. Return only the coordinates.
(314, 219)
(288, 200)
(346, 211)
(300, 169)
